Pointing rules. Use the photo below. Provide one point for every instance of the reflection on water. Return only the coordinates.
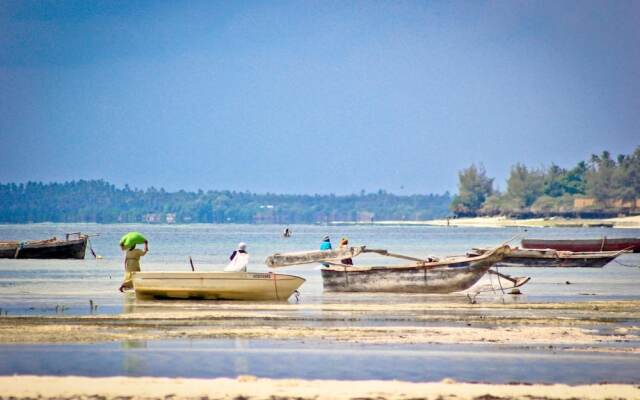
(134, 363)
(241, 362)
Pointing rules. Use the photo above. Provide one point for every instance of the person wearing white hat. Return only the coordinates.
(238, 259)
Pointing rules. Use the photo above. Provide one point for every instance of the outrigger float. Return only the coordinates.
(432, 275)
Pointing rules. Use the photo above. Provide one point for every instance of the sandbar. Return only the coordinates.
(250, 387)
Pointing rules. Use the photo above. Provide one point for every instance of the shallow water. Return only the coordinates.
(315, 360)
(44, 287)
(65, 287)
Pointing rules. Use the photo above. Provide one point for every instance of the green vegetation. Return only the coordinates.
(474, 189)
(605, 185)
(99, 201)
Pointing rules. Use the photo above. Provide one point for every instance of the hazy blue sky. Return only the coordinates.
(306, 97)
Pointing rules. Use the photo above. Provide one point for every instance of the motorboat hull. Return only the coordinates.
(216, 285)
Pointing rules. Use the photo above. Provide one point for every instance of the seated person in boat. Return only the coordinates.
(344, 244)
(132, 264)
(238, 259)
(325, 245)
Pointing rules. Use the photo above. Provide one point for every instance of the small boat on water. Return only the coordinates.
(53, 248)
(446, 275)
(582, 245)
(553, 258)
(215, 285)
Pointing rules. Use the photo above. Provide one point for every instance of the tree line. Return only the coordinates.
(606, 185)
(102, 202)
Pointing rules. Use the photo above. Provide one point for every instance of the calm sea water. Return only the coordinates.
(36, 287)
(317, 360)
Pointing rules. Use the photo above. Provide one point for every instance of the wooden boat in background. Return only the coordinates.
(46, 249)
(445, 275)
(215, 285)
(582, 245)
(553, 258)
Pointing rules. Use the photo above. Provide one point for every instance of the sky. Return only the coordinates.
(312, 96)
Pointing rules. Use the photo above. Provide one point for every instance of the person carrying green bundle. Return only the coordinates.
(131, 239)
(132, 257)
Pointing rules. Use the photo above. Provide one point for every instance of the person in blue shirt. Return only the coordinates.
(326, 243)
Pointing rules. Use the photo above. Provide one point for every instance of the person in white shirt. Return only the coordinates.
(238, 259)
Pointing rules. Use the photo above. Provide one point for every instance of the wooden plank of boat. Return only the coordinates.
(446, 275)
(8, 249)
(45, 249)
(546, 258)
(590, 245)
(308, 257)
(216, 285)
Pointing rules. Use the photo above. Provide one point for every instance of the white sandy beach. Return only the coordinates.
(249, 387)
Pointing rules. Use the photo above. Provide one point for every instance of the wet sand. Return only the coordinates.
(600, 325)
(249, 387)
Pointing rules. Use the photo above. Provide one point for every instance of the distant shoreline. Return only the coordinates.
(504, 222)
(477, 222)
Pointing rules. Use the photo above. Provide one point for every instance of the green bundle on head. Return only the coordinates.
(131, 239)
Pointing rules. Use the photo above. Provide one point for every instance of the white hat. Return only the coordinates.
(242, 246)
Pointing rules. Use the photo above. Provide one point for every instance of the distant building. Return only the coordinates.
(581, 203)
(152, 218)
(266, 215)
(170, 218)
(365, 216)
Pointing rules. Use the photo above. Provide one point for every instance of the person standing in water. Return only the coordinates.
(239, 259)
(132, 264)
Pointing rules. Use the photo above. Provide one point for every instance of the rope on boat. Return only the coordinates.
(624, 265)
(20, 247)
(93, 253)
(500, 283)
(625, 250)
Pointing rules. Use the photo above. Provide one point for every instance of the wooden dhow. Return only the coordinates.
(216, 285)
(553, 258)
(47, 249)
(446, 275)
(584, 245)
